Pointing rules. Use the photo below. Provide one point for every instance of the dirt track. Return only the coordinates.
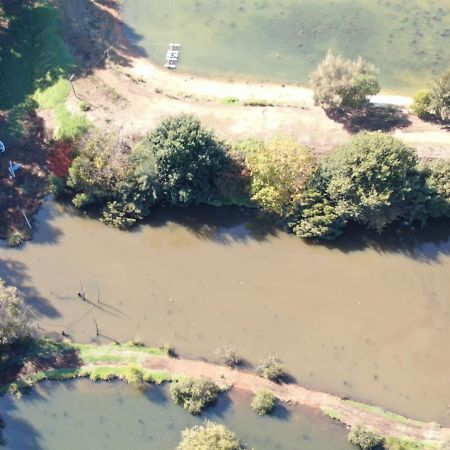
(299, 395)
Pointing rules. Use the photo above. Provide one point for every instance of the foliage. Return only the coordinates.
(263, 402)
(14, 316)
(313, 216)
(104, 173)
(364, 438)
(15, 238)
(437, 183)
(135, 376)
(440, 97)
(228, 356)
(271, 368)
(394, 443)
(209, 436)
(370, 179)
(340, 83)
(233, 182)
(187, 159)
(229, 100)
(280, 169)
(422, 103)
(60, 158)
(194, 395)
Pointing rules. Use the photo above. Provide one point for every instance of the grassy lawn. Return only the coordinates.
(35, 67)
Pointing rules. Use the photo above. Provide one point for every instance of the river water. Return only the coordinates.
(284, 40)
(113, 416)
(366, 318)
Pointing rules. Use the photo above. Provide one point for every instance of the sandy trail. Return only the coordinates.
(349, 414)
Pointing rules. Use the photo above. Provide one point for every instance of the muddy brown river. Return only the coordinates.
(367, 318)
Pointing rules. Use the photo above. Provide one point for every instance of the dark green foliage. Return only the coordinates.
(437, 182)
(187, 158)
(194, 395)
(422, 104)
(313, 216)
(364, 438)
(371, 179)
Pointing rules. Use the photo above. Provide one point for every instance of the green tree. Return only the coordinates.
(187, 159)
(341, 83)
(440, 97)
(437, 183)
(422, 104)
(209, 436)
(14, 316)
(372, 180)
(263, 402)
(364, 438)
(280, 169)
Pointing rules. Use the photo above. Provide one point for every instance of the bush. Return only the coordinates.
(209, 436)
(228, 356)
(280, 170)
(14, 316)
(263, 402)
(187, 160)
(135, 376)
(437, 183)
(271, 368)
(340, 83)
(372, 180)
(422, 104)
(364, 438)
(440, 97)
(15, 238)
(194, 395)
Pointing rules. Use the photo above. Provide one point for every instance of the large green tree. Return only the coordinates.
(341, 83)
(187, 160)
(373, 179)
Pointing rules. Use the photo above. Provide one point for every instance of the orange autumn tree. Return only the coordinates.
(60, 158)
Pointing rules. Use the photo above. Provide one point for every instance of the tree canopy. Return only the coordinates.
(342, 83)
(14, 315)
(187, 158)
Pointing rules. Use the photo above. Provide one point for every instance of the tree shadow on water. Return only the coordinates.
(14, 273)
(426, 244)
(224, 225)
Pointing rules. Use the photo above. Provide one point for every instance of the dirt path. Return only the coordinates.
(348, 414)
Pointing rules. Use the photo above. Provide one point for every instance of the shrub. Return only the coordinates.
(209, 436)
(228, 356)
(135, 376)
(340, 83)
(14, 316)
(280, 169)
(372, 179)
(194, 395)
(187, 160)
(440, 97)
(364, 438)
(15, 238)
(422, 104)
(437, 183)
(60, 158)
(263, 402)
(271, 368)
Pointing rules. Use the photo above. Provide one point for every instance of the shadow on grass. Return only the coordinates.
(372, 118)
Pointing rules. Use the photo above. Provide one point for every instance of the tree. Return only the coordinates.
(271, 368)
(14, 316)
(440, 97)
(341, 83)
(437, 183)
(421, 106)
(107, 174)
(263, 402)
(187, 158)
(280, 169)
(209, 436)
(372, 180)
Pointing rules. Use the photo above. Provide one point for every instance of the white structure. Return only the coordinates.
(172, 56)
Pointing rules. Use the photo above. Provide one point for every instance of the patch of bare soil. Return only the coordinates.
(295, 393)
